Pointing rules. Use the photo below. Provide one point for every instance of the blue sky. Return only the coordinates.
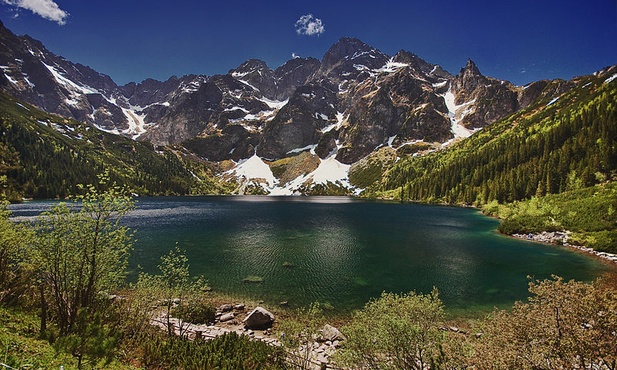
(520, 41)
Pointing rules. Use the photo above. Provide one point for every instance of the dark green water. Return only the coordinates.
(345, 251)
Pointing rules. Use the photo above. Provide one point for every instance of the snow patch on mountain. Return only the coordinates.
(440, 84)
(329, 170)
(191, 87)
(303, 149)
(340, 120)
(248, 84)
(257, 172)
(71, 86)
(274, 104)
(610, 79)
(391, 66)
(6, 69)
(456, 113)
(254, 168)
(137, 125)
(553, 101)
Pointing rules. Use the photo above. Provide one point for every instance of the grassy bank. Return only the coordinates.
(590, 214)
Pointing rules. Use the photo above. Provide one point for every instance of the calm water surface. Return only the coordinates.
(343, 251)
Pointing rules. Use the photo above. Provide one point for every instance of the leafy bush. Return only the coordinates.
(527, 224)
(602, 241)
(589, 213)
(564, 325)
(396, 332)
(197, 311)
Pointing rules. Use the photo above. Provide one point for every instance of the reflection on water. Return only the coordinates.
(341, 251)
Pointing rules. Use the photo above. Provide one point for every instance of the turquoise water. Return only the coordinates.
(343, 251)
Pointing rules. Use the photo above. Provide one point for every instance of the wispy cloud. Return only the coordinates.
(47, 9)
(309, 26)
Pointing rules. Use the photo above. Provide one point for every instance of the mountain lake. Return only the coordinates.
(341, 251)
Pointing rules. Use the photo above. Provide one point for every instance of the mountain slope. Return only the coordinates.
(250, 96)
(47, 156)
(558, 144)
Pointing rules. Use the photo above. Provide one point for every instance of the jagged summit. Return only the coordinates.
(470, 68)
(345, 47)
(347, 52)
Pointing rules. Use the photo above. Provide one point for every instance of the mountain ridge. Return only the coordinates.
(343, 108)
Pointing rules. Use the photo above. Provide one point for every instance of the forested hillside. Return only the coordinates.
(563, 144)
(46, 156)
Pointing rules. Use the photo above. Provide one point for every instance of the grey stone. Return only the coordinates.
(259, 319)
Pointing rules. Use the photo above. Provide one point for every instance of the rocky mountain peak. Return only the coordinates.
(349, 54)
(256, 74)
(469, 78)
(470, 69)
(432, 71)
(251, 66)
(413, 61)
(293, 74)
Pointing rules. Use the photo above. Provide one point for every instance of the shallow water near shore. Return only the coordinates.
(343, 251)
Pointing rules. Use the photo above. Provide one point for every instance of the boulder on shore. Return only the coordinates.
(330, 334)
(259, 319)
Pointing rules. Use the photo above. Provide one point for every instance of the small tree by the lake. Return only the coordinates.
(13, 272)
(181, 296)
(81, 253)
(396, 332)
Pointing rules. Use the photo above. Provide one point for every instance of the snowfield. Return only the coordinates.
(255, 170)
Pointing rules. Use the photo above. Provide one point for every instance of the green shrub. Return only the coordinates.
(230, 351)
(197, 311)
(563, 325)
(396, 332)
(602, 241)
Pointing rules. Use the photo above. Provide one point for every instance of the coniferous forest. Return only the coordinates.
(548, 148)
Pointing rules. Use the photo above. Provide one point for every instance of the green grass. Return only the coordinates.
(20, 346)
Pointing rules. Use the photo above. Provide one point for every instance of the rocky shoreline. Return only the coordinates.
(235, 318)
(561, 239)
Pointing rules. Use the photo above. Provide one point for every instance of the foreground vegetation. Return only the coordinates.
(57, 307)
(64, 300)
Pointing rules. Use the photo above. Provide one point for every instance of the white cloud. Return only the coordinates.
(294, 56)
(47, 9)
(309, 25)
